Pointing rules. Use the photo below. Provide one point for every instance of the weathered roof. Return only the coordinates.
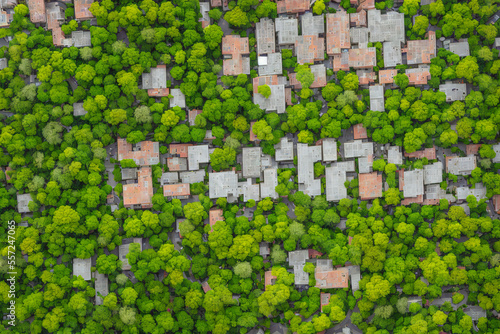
(366, 76)
(332, 279)
(357, 148)
(370, 186)
(268, 187)
(275, 101)
(479, 192)
(365, 164)
(392, 54)
(387, 27)
(454, 91)
(123, 251)
(460, 165)
(419, 75)
(81, 267)
(22, 203)
(287, 30)
(292, 6)
(433, 173)
(169, 178)
(78, 109)
(264, 33)
(313, 24)
(156, 78)
(223, 184)
(429, 153)
(82, 9)
(359, 131)
(387, 76)
(413, 183)
(177, 164)
(319, 72)
(377, 98)
(394, 155)
(358, 19)
(81, 38)
(363, 58)
(178, 98)
(309, 49)
(306, 157)
(37, 11)
(197, 154)
(101, 287)
(251, 165)
(235, 46)
(337, 32)
(140, 193)
(421, 52)
(214, 216)
(270, 64)
(284, 150)
(329, 149)
(144, 153)
(460, 48)
(335, 188)
(174, 190)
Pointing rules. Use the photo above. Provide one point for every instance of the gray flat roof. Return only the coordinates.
(413, 183)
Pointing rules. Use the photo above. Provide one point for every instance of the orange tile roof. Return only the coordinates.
(410, 200)
(309, 49)
(334, 279)
(434, 201)
(235, 46)
(337, 32)
(268, 278)
(253, 137)
(422, 51)
(174, 190)
(472, 149)
(496, 203)
(366, 76)
(37, 11)
(314, 253)
(158, 92)
(359, 131)
(82, 11)
(215, 215)
(288, 96)
(363, 58)
(176, 164)
(418, 76)
(216, 3)
(192, 115)
(370, 186)
(401, 178)
(324, 300)
(206, 287)
(7, 177)
(292, 6)
(358, 19)
(179, 149)
(269, 80)
(140, 193)
(149, 151)
(341, 62)
(429, 153)
(386, 76)
(366, 4)
(317, 83)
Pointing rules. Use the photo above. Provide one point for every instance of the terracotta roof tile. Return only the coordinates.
(370, 186)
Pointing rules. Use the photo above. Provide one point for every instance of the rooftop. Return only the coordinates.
(370, 186)
(387, 76)
(337, 32)
(419, 75)
(313, 24)
(357, 148)
(329, 149)
(270, 64)
(176, 190)
(319, 72)
(429, 153)
(197, 154)
(177, 164)
(275, 102)
(460, 48)
(284, 150)
(81, 267)
(251, 165)
(140, 193)
(268, 187)
(433, 173)
(180, 150)
(144, 153)
(421, 52)
(309, 49)
(287, 30)
(223, 184)
(392, 54)
(359, 131)
(37, 11)
(292, 6)
(335, 188)
(306, 157)
(22, 203)
(454, 91)
(264, 33)
(155, 80)
(178, 98)
(358, 19)
(387, 27)
(332, 279)
(363, 58)
(215, 215)
(413, 185)
(460, 165)
(81, 38)
(82, 9)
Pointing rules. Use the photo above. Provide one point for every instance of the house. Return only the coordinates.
(413, 184)
(359, 36)
(386, 76)
(139, 194)
(4, 63)
(179, 190)
(460, 165)
(144, 153)
(270, 64)
(365, 4)
(101, 287)
(129, 173)
(193, 176)
(268, 187)
(287, 30)
(6, 17)
(269, 279)
(284, 150)
(297, 260)
(37, 11)
(312, 24)
(233, 49)
(355, 275)
(205, 18)
(392, 54)
(335, 188)
(251, 165)
(377, 98)
(192, 116)
(479, 192)
(394, 155)
(206, 287)
(387, 27)
(306, 157)
(215, 215)
(324, 299)
(358, 19)
(357, 148)
(454, 91)
(319, 72)
(419, 75)
(433, 173)
(292, 6)
(472, 149)
(422, 51)
(264, 33)
(81, 267)
(337, 32)
(460, 48)
(169, 178)
(496, 203)
(341, 62)
(177, 164)
(197, 154)
(275, 101)
(359, 131)
(309, 49)
(81, 38)
(429, 153)
(178, 98)
(365, 164)
(124, 249)
(223, 184)
(78, 109)
(23, 203)
(347, 166)
(370, 186)
(180, 150)
(156, 81)
(264, 249)
(475, 312)
(329, 149)
(82, 9)
(366, 76)
(328, 278)
(363, 58)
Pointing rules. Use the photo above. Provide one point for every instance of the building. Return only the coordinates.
(366, 76)
(192, 177)
(324, 300)
(312, 24)
(205, 18)
(176, 164)
(269, 279)
(341, 62)
(223, 184)
(365, 164)
(358, 19)
(233, 49)
(129, 173)
(392, 54)
(4, 63)
(214, 216)
(251, 166)
(206, 287)
(319, 72)
(472, 149)
(297, 260)
(328, 278)
(180, 150)
(475, 312)
(197, 155)
(6, 17)
(139, 194)
(264, 33)
(264, 249)
(359, 131)
(81, 38)
(359, 36)
(192, 116)
(270, 64)
(23, 203)
(386, 76)
(421, 52)
(479, 192)
(169, 178)
(144, 153)
(335, 188)
(123, 251)
(377, 98)
(287, 30)
(357, 148)
(355, 275)
(82, 9)
(292, 6)
(329, 149)
(268, 187)
(394, 155)
(275, 102)
(284, 150)
(337, 32)
(306, 157)
(387, 27)
(419, 75)
(156, 81)
(433, 173)
(101, 287)
(460, 165)
(179, 190)
(429, 153)
(309, 49)
(460, 48)
(81, 267)
(413, 184)
(363, 58)
(37, 11)
(454, 91)
(178, 98)
(370, 186)
(78, 109)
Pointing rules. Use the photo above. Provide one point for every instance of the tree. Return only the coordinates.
(448, 138)
(264, 90)
(222, 158)
(236, 17)
(467, 68)
(410, 7)
(243, 269)
(213, 36)
(377, 288)
(350, 82)
(107, 264)
(262, 130)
